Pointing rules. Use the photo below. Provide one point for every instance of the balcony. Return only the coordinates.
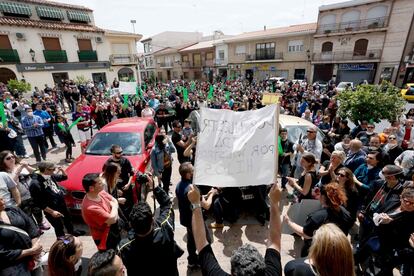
(87, 56)
(9, 56)
(197, 64)
(55, 56)
(353, 26)
(221, 62)
(123, 59)
(330, 57)
(166, 64)
(264, 58)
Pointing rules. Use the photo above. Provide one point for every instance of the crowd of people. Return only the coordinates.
(363, 179)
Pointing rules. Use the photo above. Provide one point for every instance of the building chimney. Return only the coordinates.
(264, 28)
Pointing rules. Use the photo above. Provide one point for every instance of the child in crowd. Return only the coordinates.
(187, 130)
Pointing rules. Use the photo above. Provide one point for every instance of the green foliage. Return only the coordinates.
(80, 80)
(21, 86)
(371, 102)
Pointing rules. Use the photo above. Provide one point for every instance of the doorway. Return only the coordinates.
(58, 77)
(168, 75)
(6, 75)
(99, 77)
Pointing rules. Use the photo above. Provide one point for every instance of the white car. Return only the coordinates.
(343, 85)
(278, 80)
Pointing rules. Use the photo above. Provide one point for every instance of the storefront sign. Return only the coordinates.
(356, 66)
(32, 67)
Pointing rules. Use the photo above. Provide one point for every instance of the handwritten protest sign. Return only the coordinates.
(127, 88)
(236, 148)
(270, 98)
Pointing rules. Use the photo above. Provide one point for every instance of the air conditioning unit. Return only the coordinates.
(99, 39)
(20, 36)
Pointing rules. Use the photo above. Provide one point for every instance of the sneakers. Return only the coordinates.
(216, 225)
(44, 226)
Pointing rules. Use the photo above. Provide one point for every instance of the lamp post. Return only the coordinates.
(133, 21)
(32, 54)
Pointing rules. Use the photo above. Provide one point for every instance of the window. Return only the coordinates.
(5, 42)
(51, 43)
(15, 9)
(327, 47)
(209, 56)
(221, 54)
(49, 13)
(197, 59)
(177, 58)
(299, 74)
(360, 48)
(149, 134)
(85, 45)
(295, 46)
(147, 48)
(240, 50)
(185, 58)
(265, 51)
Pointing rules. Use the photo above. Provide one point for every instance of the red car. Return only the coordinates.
(135, 135)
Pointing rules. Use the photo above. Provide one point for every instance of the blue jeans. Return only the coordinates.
(284, 171)
(38, 146)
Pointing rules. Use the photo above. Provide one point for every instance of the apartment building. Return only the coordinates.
(161, 41)
(361, 40)
(197, 61)
(44, 42)
(272, 52)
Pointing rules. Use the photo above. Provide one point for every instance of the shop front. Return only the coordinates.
(356, 72)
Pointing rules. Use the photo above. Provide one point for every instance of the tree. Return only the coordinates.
(20, 86)
(371, 103)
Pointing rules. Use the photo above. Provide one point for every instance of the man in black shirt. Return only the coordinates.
(179, 144)
(163, 116)
(246, 260)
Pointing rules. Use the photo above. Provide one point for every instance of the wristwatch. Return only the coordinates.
(195, 206)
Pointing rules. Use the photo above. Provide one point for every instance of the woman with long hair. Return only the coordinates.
(330, 254)
(110, 177)
(346, 180)
(65, 256)
(304, 185)
(332, 198)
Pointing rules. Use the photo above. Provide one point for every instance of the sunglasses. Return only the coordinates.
(370, 127)
(118, 152)
(342, 174)
(392, 138)
(9, 157)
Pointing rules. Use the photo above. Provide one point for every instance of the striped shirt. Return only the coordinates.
(30, 129)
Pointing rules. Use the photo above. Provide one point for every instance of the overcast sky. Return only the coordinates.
(229, 16)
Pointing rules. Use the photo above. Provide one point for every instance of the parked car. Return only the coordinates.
(302, 83)
(278, 80)
(343, 85)
(323, 85)
(135, 135)
(408, 92)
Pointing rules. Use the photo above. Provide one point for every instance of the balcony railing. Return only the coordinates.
(9, 56)
(275, 56)
(123, 59)
(87, 56)
(166, 64)
(203, 63)
(353, 26)
(341, 56)
(55, 55)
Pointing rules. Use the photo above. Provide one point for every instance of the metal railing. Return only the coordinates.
(119, 59)
(87, 56)
(9, 56)
(167, 64)
(55, 55)
(339, 56)
(353, 26)
(275, 56)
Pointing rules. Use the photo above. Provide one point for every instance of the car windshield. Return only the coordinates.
(102, 142)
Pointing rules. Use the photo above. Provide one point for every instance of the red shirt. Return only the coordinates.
(95, 213)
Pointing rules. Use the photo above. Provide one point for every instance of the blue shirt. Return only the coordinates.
(154, 103)
(44, 115)
(30, 129)
(184, 205)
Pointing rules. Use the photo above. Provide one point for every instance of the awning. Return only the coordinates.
(15, 8)
(79, 16)
(48, 12)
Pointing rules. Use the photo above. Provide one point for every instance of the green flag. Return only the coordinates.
(125, 104)
(193, 86)
(75, 122)
(211, 92)
(227, 95)
(145, 86)
(279, 146)
(179, 89)
(139, 93)
(185, 94)
(3, 115)
(62, 127)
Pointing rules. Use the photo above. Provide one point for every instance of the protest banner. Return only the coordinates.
(270, 98)
(237, 149)
(127, 88)
(298, 213)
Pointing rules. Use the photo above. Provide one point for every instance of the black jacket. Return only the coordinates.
(155, 254)
(43, 195)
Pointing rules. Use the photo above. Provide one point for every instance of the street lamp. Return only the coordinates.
(133, 21)
(32, 54)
